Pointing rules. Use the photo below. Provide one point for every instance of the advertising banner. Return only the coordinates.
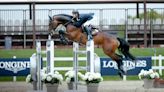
(14, 67)
(109, 67)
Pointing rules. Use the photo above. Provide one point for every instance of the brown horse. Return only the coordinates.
(63, 24)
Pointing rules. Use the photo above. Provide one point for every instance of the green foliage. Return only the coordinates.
(152, 14)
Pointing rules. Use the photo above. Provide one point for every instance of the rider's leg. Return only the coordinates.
(88, 31)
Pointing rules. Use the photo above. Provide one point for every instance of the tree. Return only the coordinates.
(152, 14)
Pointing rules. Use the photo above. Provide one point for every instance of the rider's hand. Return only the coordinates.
(73, 20)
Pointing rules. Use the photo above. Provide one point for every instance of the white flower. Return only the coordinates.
(101, 79)
(60, 77)
(79, 74)
(97, 75)
(68, 80)
(54, 75)
(139, 75)
(148, 74)
(91, 77)
(44, 76)
(28, 78)
(142, 72)
(150, 71)
(44, 70)
(56, 72)
(70, 74)
(87, 74)
(156, 74)
(152, 75)
(49, 78)
(85, 78)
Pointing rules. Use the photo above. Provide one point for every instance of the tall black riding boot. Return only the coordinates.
(121, 71)
(88, 31)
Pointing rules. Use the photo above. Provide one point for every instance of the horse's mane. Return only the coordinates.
(63, 17)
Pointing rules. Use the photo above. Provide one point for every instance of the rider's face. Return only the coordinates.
(75, 15)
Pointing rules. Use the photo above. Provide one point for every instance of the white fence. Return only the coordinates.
(158, 59)
(65, 59)
(157, 62)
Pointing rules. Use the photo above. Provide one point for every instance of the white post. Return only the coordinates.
(38, 50)
(50, 56)
(75, 62)
(155, 61)
(160, 64)
(97, 63)
(14, 77)
(90, 55)
(33, 70)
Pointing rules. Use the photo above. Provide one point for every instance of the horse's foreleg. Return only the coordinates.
(62, 38)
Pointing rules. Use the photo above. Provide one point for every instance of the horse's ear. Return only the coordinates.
(50, 18)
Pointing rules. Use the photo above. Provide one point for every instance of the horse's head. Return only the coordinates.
(56, 20)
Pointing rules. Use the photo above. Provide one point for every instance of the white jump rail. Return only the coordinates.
(159, 67)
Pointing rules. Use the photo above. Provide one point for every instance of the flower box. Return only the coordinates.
(148, 83)
(69, 78)
(92, 87)
(52, 78)
(148, 77)
(92, 80)
(159, 83)
(52, 81)
(52, 87)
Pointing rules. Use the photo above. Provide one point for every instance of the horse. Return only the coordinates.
(109, 43)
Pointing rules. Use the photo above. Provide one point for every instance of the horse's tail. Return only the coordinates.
(124, 48)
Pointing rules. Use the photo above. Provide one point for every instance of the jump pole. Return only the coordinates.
(39, 66)
(90, 55)
(75, 62)
(33, 70)
(90, 67)
(50, 55)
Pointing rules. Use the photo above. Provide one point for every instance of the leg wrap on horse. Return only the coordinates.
(121, 71)
(88, 32)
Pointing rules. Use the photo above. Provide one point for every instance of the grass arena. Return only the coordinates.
(110, 83)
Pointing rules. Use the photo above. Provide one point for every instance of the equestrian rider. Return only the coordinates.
(79, 19)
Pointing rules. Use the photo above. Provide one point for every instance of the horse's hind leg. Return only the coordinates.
(118, 59)
(110, 51)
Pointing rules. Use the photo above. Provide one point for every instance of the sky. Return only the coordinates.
(81, 6)
(112, 16)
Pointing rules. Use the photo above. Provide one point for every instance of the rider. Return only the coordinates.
(79, 19)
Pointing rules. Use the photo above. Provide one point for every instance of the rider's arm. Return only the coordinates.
(83, 19)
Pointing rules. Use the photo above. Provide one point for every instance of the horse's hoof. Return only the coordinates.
(121, 75)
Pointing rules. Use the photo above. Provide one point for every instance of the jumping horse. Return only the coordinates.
(109, 43)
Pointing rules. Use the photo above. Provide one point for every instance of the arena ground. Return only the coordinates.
(106, 86)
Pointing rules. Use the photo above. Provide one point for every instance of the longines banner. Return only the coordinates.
(109, 67)
(21, 66)
(14, 67)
